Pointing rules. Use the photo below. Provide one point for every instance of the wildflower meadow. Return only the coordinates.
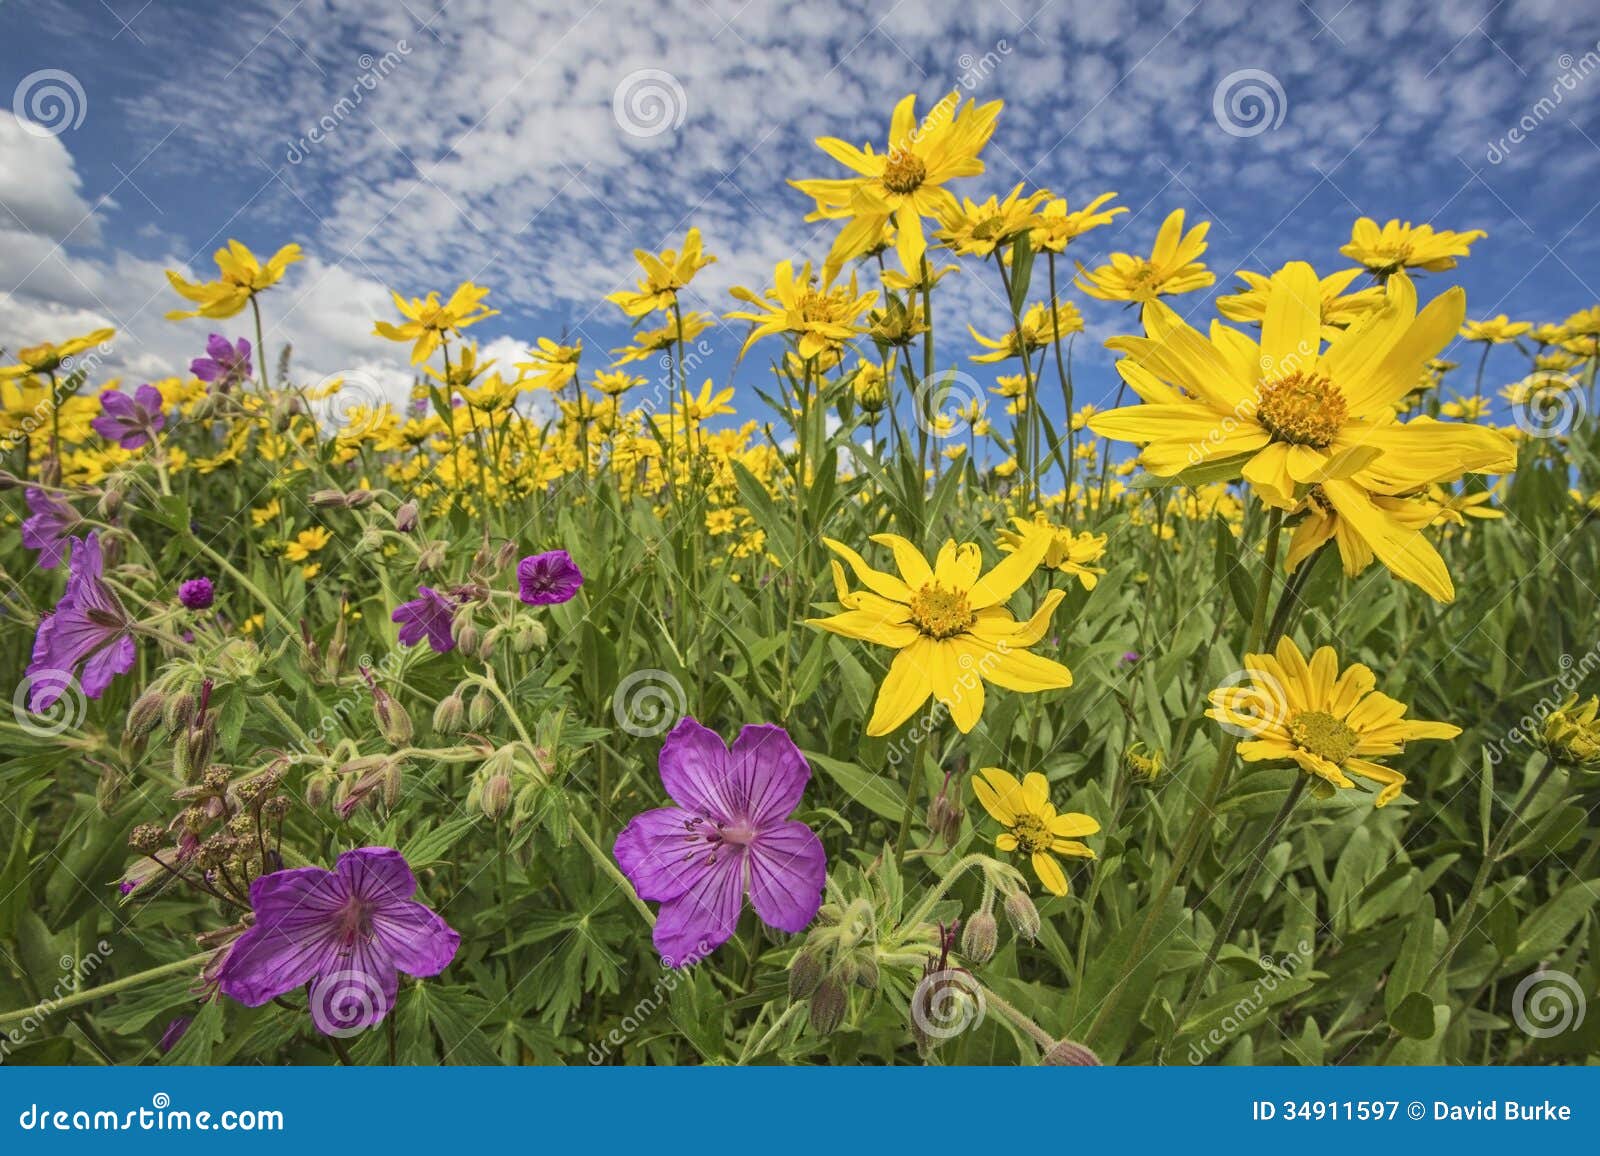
(903, 692)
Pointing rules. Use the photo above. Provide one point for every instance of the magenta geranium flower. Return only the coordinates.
(46, 527)
(549, 578)
(88, 628)
(348, 933)
(130, 421)
(225, 362)
(197, 593)
(429, 615)
(728, 837)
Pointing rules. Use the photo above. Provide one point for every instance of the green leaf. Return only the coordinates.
(1414, 1018)
(870, 790)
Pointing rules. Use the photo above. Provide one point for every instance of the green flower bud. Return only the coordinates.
(828, 1006)
(1067, 1054)
(980, 937)
(1024, 916)
(805, 973)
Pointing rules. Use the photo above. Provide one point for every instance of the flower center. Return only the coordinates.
(354, 922)
(905, 172)
(940, 613)
(1303, 409)
(1032, 834)
(1320, 733)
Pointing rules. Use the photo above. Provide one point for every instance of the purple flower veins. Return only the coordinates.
(549, 578)
(130, 421)
(88, 628)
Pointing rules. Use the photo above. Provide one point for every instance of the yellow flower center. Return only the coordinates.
(1303, 409)
(904, 172)
(1032, 834)
(940, 613)
(1320, 733)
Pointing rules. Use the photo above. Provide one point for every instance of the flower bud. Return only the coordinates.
(145, 713)
(1571, 733)
(1067, 1054)
(980, 937)
(828, 1006)
(393, 721)
(480, 710)
(431, 557)
(805, 973)
(529, 635)
(1141, 767)
(177, 712)
(1024, 916)
(325, 499)
(146, 839)
(405, 518)
(449, 714)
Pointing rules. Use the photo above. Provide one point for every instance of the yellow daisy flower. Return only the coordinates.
(1057, 225)
(1032, 826)
(1495, 330)
(821, 318)
(1339, 309)
(1400, 245)
(428, 322)
(949, 625)
(977, 230)
(242, 277)
(47, 357)
(649, 342)
(1067, 552)
(1173, 267)
(307, 543)
(1330, 724)
(553, 366)
(663, 277)
(1039, 329)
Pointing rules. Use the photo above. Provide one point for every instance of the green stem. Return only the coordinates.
(82, 997)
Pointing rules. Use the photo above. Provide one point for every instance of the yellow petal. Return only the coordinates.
(1050, 873)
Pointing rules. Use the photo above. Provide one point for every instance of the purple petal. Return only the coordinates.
(356, 994)
(787, 869)
(415, 938)
(106, 664)
(658, 853)
(704, 917)
(694, 766)
(377, 875)
(294, 937)
(768, 773)
(548, 579)
(149, 399)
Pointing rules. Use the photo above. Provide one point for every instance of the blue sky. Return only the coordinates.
(486, 145)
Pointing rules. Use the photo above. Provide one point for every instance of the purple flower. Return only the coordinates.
(224, 362)
(728, 837)
(1129, 657)
(197, 593)
(49, 522)
(88, 627)
(429, 614)
(174, 1033)
(348, 932)
(546, 579)
(130, 421)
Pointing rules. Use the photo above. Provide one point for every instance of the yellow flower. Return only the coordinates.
(663, 277)
(47, 358)
(648, 342)
(949, 625)
(1338, 309)
(1031, 824)
(705, 405)
(1571, 735)
(1583, 322)
(1040, 327)
(1329, 723)
(616, 383)
(1453, 508)
(242, 277)
(975, 230)
(1057, 225)
(897, 323)
(495, 393)
(821, 319)
(264, 514)
(1465, 408)
(428, 322)
(465, 370)
(553, 366)
(1287, 414)
(905, 183)
(1495, 330)
(1067, 552)
(307, 543)
(1172, 267)
(1549, 334)
(871, 390)
(1397, 246)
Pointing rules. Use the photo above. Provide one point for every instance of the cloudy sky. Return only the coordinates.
(531, 146)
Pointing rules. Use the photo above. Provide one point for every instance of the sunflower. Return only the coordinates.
(428, 322)
(949, 625)
(1286, 414)
(1040, 327)
(1057, 225)
(1032, 825)
(710, 402)
(905, 182)
(1172, 267)
(1499, 330)
(242, 277)
(821, 317)
(648, 342)
(977, 230)
(1329, 723)
(1400, 245)
(47, 357)
(1339, 309)
(1069, 553)
(663, 277)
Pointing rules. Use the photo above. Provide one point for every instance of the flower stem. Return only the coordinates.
(82, 997)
